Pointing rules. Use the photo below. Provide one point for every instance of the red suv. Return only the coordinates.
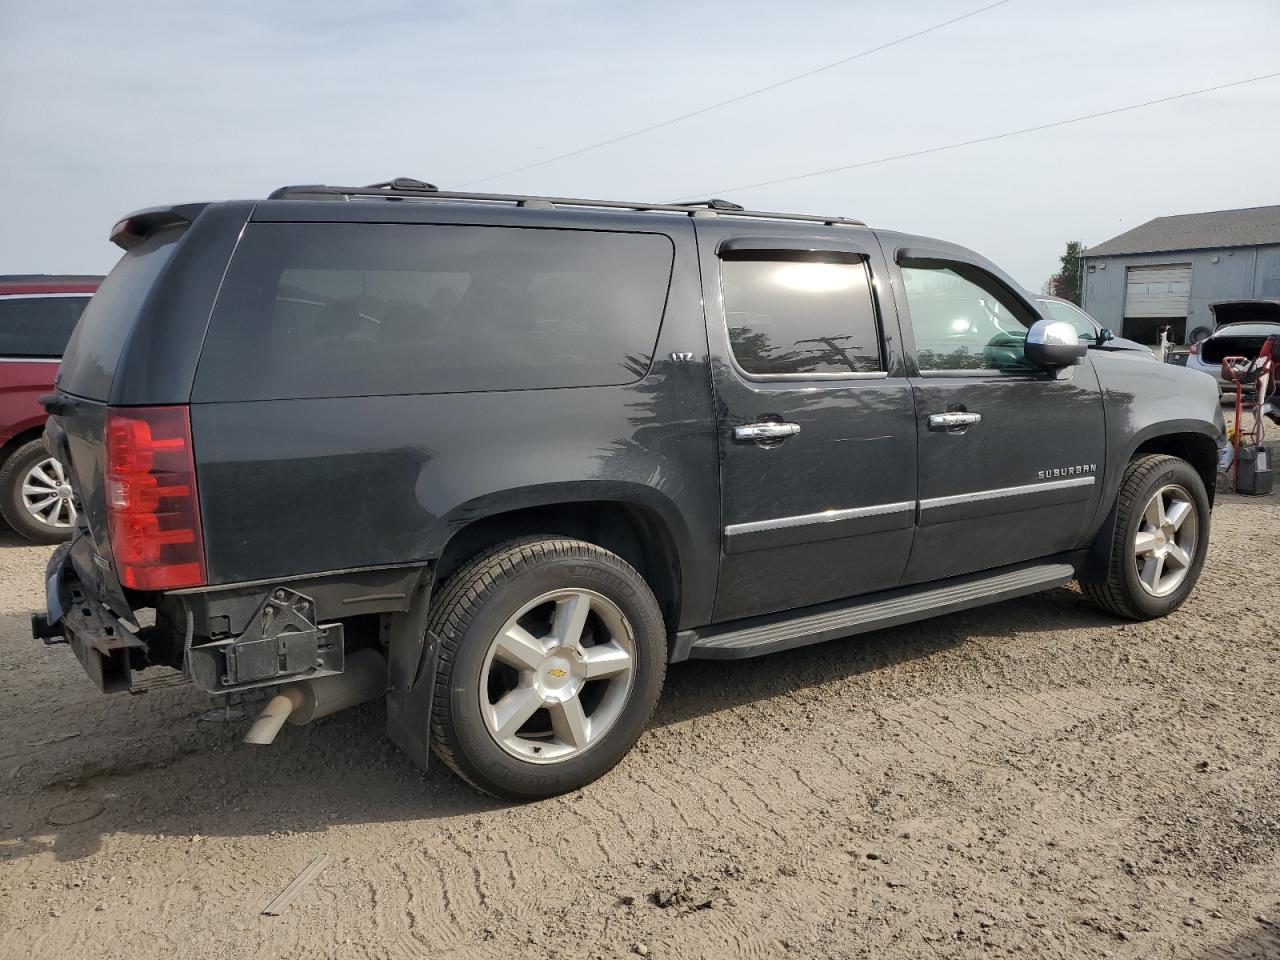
(37, 315)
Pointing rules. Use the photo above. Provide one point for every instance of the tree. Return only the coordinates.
(1066, 282)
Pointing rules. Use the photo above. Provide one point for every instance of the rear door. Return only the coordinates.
(1010, 454)
(816, 423)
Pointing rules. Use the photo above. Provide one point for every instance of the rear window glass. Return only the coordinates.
(331, 310)
(799, 318)
(38, 327)
(90, 361)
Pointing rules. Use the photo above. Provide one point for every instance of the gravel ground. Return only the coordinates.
(1032, 778)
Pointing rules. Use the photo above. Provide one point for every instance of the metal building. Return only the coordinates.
(1167, 271)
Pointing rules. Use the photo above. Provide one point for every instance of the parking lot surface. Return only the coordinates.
(1033, 778)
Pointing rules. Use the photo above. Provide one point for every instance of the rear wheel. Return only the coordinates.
(35, 494)
(1160, 532)
(552, 656)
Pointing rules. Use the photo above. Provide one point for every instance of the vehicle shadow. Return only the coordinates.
(150, 765)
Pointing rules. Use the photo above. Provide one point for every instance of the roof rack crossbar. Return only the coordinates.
(705, 208)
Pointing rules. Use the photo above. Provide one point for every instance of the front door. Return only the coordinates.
(1010, 453)
(817, 426)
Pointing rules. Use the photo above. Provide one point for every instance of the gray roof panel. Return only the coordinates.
(1250, 227)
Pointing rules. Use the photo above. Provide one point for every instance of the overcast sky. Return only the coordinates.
(108, 107)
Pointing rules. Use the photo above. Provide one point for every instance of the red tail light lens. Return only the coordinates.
(1195, 349)
(152, 509)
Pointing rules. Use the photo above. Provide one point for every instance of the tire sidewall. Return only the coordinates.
(477, 749)
(12, 475)
(1184, 475)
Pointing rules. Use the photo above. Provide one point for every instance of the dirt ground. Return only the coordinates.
(1033, 779)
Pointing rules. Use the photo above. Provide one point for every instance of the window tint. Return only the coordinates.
(1057, 310)
(326, 309)
(800, 317)
(962, 319)
(38, 327)
(89, 364)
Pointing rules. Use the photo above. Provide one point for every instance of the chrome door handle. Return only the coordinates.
(949, 421)
(766, 431)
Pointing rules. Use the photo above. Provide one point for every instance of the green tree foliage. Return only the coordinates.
(1066, 282)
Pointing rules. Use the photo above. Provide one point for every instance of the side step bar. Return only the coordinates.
(797, 628)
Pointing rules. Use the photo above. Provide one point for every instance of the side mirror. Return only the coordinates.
(1105, 335)
(1054, 344)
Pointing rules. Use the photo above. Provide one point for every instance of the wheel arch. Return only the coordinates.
(634, 525)
(1196, 447)
(21, 439)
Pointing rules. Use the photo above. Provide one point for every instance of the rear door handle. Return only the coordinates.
(766, 431)
(952, 420)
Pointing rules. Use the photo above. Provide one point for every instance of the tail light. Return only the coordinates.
(152, 510)
(1194, 349)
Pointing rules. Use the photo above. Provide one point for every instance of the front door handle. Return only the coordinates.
(766, 431)
(953, 420)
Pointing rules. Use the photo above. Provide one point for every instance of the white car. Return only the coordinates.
(1243, 327)
(1090, 330)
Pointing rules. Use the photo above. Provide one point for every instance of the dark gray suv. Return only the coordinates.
(501, 459)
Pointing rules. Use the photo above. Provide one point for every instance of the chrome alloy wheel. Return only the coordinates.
(47, 496)
(1165, 544)
(557, 676)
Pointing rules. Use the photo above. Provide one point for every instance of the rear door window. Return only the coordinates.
(38, 327)
(341, 309)
(800, 318)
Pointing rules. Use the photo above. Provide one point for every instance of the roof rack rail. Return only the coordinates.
(715, 203)
(407, 188)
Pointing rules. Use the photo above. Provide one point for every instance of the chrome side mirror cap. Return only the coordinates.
(1054, 344)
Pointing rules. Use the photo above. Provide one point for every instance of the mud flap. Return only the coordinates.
(411, 675)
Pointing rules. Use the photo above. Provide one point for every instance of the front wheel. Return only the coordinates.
(552, 657)
(1159, 536)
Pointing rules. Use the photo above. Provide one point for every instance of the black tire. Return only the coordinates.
(472, 608)
(1117, 588)
(12, 474)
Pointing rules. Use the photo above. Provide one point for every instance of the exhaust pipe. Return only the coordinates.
(364, 679)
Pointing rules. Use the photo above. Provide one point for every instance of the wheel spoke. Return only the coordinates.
(606, 660)
(1144, 543)
(30, 489)
(570, 618)
(1154, 514)
(35, 507)
(56, 466)
(518, 648)
(570, 723)
(1177, 513)
(1179, 557)
(41, 475)
(510, 713)
(1152, 570)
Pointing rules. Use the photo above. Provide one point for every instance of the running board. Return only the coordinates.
(796, 628)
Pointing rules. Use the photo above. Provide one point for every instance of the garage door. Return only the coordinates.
(1163, 291)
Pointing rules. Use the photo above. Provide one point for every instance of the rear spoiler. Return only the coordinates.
(137, 226)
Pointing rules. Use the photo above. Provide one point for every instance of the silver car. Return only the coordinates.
(1089, 329)
(1242, 328)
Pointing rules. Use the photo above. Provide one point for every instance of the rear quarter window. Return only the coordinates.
(38, 327)
(89, 364)
(332, 310)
